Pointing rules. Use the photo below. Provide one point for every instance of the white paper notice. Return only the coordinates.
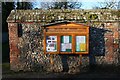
(51, 42)
(63, 47)
(77, 47)
(48, 49)
(66, 39)
(51, 49)
(53, 37)
(77, 39)
(68, 46)
(80, 39)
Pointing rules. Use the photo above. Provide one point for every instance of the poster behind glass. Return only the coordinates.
(80, 43)
(66, 43)
(51, 43)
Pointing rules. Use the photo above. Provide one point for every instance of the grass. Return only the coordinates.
(7, 73)
(5, 52)
(6, 68)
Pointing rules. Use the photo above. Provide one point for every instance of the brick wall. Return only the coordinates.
(13, 42)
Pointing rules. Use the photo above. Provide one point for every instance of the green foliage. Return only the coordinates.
(93, 16)
(117, 13)
(6, 66)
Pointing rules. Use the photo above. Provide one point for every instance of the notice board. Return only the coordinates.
(66, 38)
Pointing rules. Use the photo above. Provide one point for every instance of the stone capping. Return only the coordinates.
(47, 16)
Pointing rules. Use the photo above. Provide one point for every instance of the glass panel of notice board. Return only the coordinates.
(51, 43)
(80, 43)
(66, 43)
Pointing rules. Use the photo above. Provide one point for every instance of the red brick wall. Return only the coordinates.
(111, 44)
(13, 41)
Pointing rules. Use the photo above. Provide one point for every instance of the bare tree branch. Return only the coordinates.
(108, 4)
(62, 4)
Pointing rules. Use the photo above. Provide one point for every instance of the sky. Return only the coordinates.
(86, 4)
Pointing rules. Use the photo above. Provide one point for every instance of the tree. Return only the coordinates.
(119, 5)
(63, 4)
(6, 9)
(107, 4)
(25, 5)
(8, 6)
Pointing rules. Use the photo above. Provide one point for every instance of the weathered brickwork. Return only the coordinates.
(26, 51)
(14, 51)
(111, 44)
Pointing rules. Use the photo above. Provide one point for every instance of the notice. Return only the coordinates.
(80, 39)
(82, 47)
(53, 37)
(68, 46)
(51, 43)
(63, 47)
(66, 39)
(77, 47)
(80, 43)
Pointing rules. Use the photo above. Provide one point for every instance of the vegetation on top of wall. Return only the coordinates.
(53, 15)
(117, 13)
(93, 16)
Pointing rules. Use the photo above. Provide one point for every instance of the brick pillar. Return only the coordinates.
(116, 43)
(109, 48)
(119, 43)
(14, 51)
(111, 55)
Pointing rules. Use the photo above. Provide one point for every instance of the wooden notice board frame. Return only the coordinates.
(67, 29)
